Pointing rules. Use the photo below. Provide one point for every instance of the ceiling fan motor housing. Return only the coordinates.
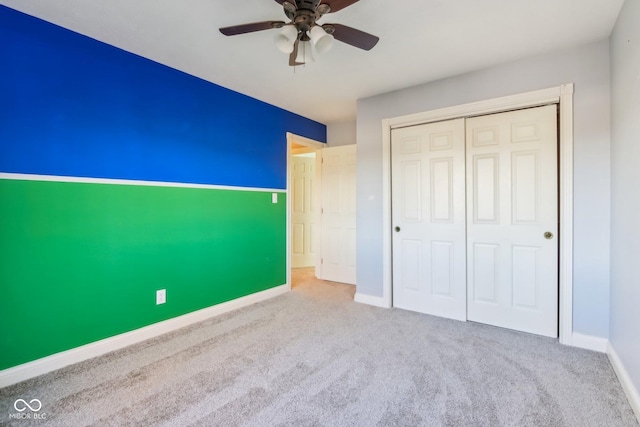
(307, 4)
(304, 20)
(305, 13)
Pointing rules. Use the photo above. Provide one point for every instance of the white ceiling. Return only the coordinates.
(420, 41)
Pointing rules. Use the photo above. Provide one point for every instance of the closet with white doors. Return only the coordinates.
(475, 218)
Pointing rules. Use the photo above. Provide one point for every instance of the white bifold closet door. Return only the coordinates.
(512, 220)
(475, 216)
(428, 210)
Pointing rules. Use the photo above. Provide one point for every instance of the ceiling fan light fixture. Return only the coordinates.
(321, 40)
(305, 53)
(286, 38)
(302, 35)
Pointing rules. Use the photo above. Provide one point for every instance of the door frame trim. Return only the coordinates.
(310, 145)
(562, 95)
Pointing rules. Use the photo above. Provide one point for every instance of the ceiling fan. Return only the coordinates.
(302, 34)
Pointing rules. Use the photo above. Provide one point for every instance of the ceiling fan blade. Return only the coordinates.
(337, 5)
(353, 37)
(250, 28)
(294, 55)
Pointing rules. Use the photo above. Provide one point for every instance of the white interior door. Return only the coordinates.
(512, 220)
(428, 190)
(338, 214)
(302, 214)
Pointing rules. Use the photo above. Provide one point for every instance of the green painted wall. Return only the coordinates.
(81, 262)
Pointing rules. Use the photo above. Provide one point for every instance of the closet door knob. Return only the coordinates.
(548, 235)
(397, 228)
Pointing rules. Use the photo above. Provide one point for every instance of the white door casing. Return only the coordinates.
(428, 213)
(302, 210)
(512, 201)
(338, 214)
(560, 95)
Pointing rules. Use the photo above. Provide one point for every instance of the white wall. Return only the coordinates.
(625, 195)
(588, 68)
(341, 133)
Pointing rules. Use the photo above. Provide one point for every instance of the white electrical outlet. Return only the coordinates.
(274, 197)
(161, 296)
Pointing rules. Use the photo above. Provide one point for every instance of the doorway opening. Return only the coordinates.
(303, 215)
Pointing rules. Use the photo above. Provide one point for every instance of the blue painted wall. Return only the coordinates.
(73, 106)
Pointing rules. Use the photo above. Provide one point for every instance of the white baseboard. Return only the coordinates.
(59, 360)
(627, 385)
(589, 342)
(370, 300)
